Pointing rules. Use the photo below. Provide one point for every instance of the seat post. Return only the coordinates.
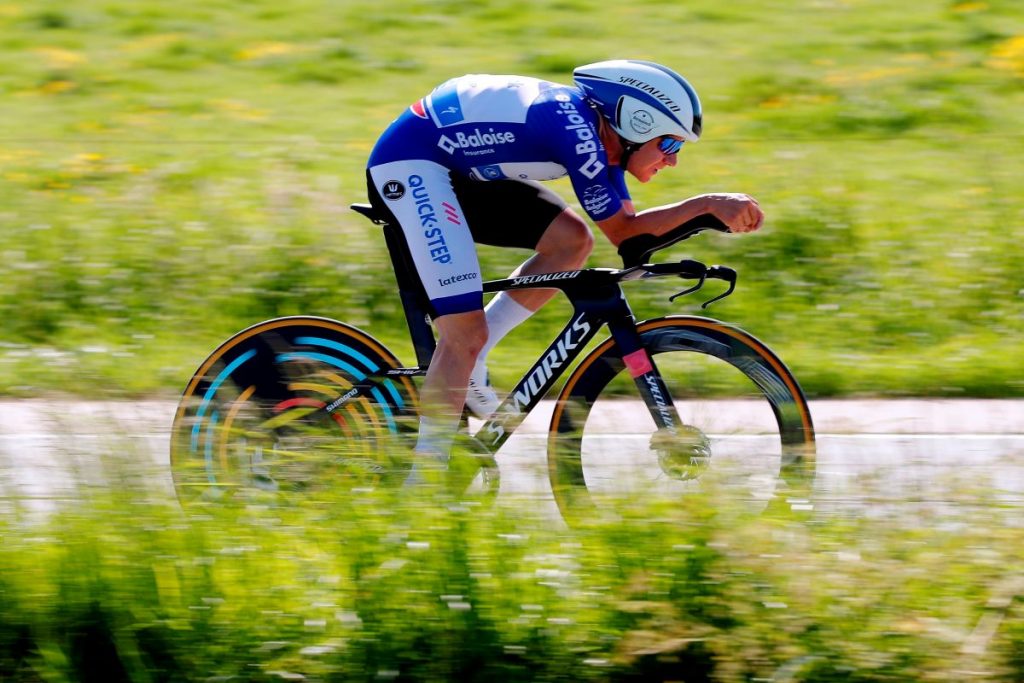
(410, 290)
(411, 294)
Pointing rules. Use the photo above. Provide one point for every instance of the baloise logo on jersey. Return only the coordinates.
(587, 145)
(476, 143)
(428, 220)
(596, 199)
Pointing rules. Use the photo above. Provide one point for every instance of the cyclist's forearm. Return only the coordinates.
(656, 221)
(661, 219)
(740, 212)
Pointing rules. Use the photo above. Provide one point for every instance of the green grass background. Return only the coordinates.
(375, 586)
(172, 172)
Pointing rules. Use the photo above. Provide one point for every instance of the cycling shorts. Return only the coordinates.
(442, 215)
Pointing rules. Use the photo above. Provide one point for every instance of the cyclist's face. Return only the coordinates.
(645, 163)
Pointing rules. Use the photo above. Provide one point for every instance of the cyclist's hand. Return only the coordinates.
(740, 212)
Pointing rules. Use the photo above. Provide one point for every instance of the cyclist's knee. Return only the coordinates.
(463, 333)
(568, 236)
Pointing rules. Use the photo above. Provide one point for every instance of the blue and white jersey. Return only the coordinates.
(491, 127)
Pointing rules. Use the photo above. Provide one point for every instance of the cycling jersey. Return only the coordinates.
(485, 128)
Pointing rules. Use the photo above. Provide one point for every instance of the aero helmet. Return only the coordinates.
(641, 100)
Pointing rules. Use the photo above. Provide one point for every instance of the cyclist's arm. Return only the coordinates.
(739, 211)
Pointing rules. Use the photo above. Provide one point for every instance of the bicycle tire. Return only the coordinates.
(245, 423)
(587, 465)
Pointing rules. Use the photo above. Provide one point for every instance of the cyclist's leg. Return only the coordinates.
(565, 245)
(420, 196)
(460, 338)
(541, 222)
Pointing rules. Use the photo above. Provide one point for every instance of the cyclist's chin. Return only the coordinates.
(644, 175)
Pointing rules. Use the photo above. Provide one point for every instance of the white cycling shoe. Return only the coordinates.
(481, 398)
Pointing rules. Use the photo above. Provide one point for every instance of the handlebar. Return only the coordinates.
(687, 269)
(638, 249)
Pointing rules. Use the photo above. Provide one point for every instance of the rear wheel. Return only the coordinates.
(294, 404)
(746, 423)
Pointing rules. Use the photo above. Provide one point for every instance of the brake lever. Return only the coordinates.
(725, 274)
(692, 269)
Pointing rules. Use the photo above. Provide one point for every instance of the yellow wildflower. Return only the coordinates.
(59, 58)
(150, 42)
(1009, 56)
(867, 75)
(264, 50)
(239, 110)
(57, 87)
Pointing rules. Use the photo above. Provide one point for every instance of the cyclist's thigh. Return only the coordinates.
(507, 213)
(419, 195)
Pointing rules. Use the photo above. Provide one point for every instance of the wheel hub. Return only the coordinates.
(683, 454)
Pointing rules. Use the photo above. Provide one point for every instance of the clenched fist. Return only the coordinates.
(740, 212)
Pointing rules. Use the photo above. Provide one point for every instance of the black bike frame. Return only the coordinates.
(597, 299)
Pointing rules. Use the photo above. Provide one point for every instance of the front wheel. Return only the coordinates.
(745, 422)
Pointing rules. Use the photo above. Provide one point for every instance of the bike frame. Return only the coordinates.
(597, 299)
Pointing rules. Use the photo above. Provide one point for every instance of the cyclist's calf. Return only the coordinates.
(461, 337)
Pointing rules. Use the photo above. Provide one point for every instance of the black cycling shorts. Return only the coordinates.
(507, 213)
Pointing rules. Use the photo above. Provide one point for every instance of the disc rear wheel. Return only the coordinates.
(293, 405)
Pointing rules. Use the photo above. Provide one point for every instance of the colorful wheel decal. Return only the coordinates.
(255, 361)
(214, 386)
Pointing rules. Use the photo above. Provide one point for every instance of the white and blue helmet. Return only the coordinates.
(641, 100)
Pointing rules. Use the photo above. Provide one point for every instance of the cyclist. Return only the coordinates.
(461, 166)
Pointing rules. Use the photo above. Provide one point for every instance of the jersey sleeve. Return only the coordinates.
(597, 196)
(618, 179)
(570, 126)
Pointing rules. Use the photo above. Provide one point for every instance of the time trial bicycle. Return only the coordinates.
(298, 403)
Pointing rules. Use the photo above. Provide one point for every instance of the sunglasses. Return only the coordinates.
(669, 145)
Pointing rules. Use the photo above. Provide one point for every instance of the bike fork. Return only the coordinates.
(653, 390)
(683, 451)
(646, 376)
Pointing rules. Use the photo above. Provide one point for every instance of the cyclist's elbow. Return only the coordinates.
(618, 227)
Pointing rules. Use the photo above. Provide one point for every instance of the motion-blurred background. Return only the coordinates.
(173, 172)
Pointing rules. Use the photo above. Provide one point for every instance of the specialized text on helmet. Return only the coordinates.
(651, 90)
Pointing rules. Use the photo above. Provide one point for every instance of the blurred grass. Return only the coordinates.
(377, 587)
(172, 173)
